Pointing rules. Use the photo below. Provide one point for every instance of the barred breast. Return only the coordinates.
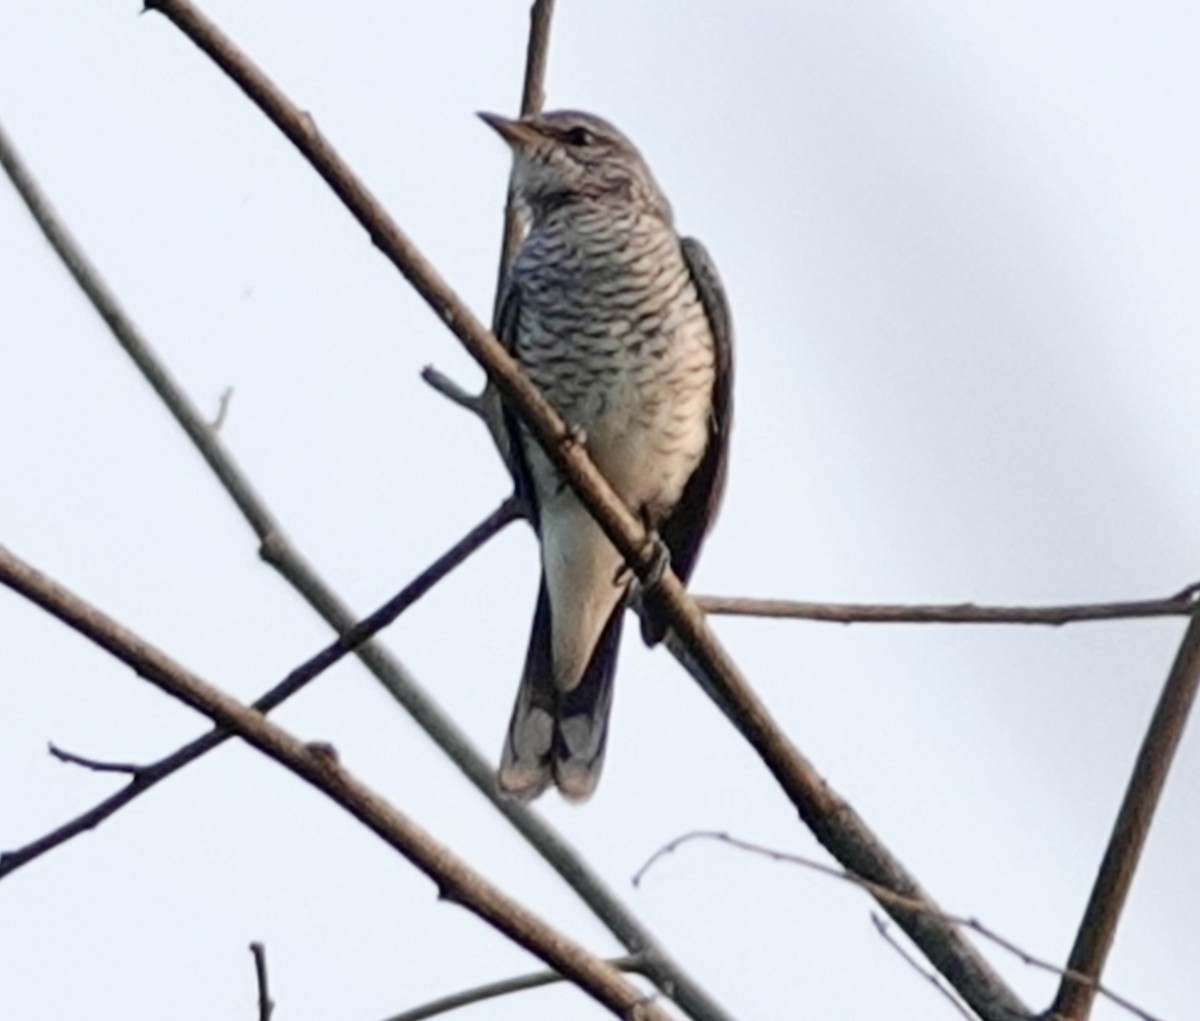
(613, 332)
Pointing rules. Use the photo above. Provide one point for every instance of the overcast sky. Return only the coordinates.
(961, 244)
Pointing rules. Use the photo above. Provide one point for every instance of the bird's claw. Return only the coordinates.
(575, 435)
(659, 562)
(660, 559)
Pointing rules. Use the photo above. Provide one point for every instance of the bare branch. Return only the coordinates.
(266, 1006)
(884, 930)
(885, 896)
(667, 974)
(452, 391)
(95, 765)
(222, 409)
(505, 987)
(456, 881)
(831, 819)
(1099, 925)
(1183, 604)
(145, 777)
(533, 98)
(275, 548)
(533, 93)
(487, 404)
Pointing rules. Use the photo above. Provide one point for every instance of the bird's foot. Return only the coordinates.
(575, 435)
(659, 556)
(660, 560)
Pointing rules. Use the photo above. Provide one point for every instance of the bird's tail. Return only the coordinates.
(559, 735)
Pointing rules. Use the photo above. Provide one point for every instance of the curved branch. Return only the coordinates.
(830, 818)
(95, 765)
(505, 987)
(883, 896)
(455, 879)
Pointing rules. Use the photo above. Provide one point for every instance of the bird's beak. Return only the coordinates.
(515, 133)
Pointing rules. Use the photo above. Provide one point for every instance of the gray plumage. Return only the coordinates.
(624, 327)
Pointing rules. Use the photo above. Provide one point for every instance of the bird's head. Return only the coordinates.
(567, 156)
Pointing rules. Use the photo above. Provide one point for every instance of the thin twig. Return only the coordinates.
(452, 391)
(1184, 604)
(456, 881)
(1098, 928)
(888, 897)
(134, 344)
(884, 930)
(145, 777)
(537, 54)
(667, 974)
(485, 406)
(533, 98)
(504, 987)
(222, 409)
(266, 1006)
(830, 817)
(95, 765)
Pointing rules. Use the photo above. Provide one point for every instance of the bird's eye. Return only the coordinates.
(579, 136)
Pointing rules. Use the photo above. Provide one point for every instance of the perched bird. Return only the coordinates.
(624, 327)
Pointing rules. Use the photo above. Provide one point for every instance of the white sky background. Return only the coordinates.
(961, 242)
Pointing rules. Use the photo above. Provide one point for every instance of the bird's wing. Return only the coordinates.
(684, 531)
(508, 315)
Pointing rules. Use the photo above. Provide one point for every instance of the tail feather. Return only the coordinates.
(525, 763)
(560, 736)
(581, 730)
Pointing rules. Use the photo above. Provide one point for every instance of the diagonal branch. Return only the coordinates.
(830, 818)
(667, 974)
(1098, 928)
(142, 778)
(455, 879)
(884, 930)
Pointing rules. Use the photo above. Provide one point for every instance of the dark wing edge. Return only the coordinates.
(685, 529)
(508, 314)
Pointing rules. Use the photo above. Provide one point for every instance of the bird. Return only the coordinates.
(625, 328)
